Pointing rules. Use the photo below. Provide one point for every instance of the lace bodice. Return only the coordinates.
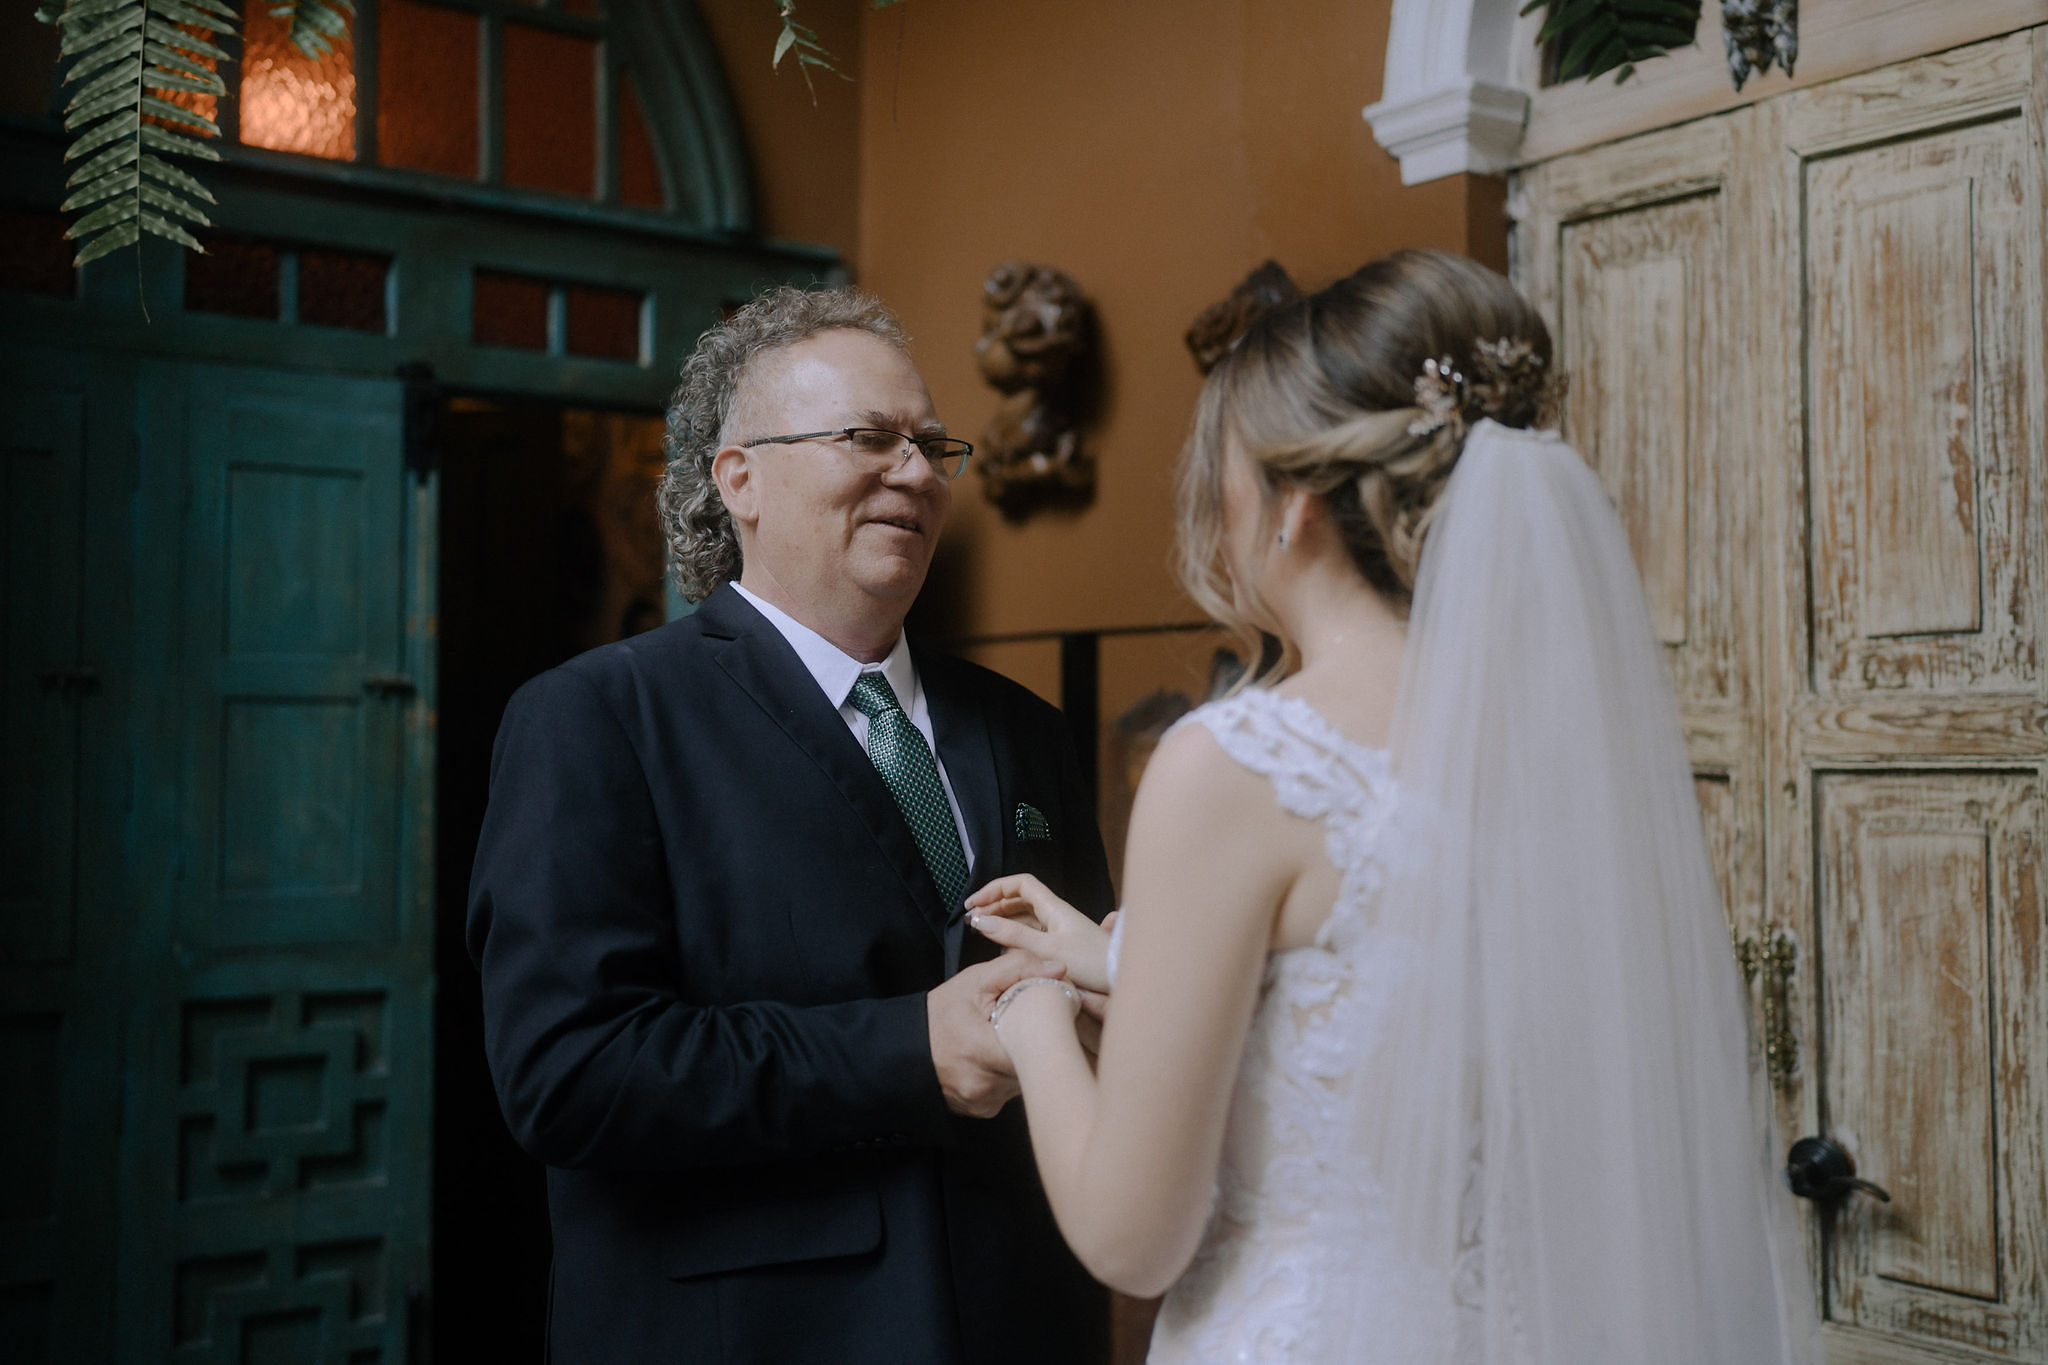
(1297, 1226)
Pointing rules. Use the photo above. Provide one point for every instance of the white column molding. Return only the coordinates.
(1451, 101)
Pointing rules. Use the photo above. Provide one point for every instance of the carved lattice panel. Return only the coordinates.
(283, 1103)
(319, 1303)
(282, 1096)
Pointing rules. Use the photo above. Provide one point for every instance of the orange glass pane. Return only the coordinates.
(342, 288)
(236, 275)
(426, 87)
(550, 110)
(639, 176)
(603, 322)
(292, 102)
(508, 310)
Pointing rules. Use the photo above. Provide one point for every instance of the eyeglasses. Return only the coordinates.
(878, 450)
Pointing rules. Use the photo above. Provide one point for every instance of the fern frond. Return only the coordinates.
(165, 140)
(85, 9)
(164, 227)
(158, 107)
(111, 240)
(130, 61)
(170, 35)
(314, 24)
(167, 58)
(158, 169)
(104, 162)
(114, 182)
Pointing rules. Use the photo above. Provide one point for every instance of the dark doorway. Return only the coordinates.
(549, 546)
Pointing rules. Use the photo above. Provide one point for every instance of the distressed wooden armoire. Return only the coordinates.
(1805, 330)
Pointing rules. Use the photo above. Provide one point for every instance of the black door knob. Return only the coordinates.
(1818, 1168)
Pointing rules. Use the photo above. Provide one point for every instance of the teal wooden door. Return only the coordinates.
(59, 1011)
(275, 1165)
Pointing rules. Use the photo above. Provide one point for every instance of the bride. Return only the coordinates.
(1426, 1043)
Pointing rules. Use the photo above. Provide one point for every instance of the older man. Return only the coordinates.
(730, 997)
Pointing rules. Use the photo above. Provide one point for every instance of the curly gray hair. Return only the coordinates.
(703, 547)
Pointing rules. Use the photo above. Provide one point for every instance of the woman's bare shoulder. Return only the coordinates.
(1199, 811)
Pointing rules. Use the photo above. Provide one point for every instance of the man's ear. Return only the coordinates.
(732, 469)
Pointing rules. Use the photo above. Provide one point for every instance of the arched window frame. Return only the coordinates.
(674, 69)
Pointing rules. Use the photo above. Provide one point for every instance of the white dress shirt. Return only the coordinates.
(836, 672)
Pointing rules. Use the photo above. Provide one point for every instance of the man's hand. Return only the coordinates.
(974, 1071)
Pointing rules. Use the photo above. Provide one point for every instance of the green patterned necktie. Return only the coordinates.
(906, 764)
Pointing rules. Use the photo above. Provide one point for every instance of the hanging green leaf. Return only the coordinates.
(802, 42)
(1592, 37)
(130, 62)
(314, 24)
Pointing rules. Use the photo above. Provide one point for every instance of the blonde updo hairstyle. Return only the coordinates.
(1319, 394)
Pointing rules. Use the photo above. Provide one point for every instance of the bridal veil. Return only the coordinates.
(1570, 1147)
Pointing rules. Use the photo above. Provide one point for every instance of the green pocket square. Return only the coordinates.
(1031, 822)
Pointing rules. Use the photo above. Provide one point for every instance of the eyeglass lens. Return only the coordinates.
(947, 454)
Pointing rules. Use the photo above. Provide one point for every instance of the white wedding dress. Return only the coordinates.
(1297, 1226)
(1502, 1110)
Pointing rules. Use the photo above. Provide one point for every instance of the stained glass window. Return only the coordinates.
(560, 317)
(639, 176)
(427, 87)
(552, 66)
(604, 323)
(550, 110)
(343, 288)
(508, 310)
(291, 102)
(236, 276)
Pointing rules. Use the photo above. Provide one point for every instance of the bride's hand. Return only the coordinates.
(1019, 912)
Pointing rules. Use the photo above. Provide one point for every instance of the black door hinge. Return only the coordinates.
(422, 418)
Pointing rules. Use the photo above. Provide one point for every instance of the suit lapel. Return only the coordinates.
(966, 750)
(761, 662)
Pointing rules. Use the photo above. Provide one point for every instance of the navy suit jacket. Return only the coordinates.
(706, 936)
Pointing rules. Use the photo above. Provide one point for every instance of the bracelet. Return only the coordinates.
(995, 1013)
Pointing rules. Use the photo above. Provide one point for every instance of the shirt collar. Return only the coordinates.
(835, 670)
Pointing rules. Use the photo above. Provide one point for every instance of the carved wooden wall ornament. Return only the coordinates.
(1759, 33)
(1217, 327)
(1038, 350)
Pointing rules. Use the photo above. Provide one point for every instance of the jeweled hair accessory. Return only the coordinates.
(1511, 384)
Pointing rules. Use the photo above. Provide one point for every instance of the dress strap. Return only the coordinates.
(1317, 772)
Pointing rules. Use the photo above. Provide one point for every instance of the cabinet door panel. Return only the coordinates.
(277, 1166)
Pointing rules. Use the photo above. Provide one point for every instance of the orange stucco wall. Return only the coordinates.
(1156, 151)
(805, 155)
